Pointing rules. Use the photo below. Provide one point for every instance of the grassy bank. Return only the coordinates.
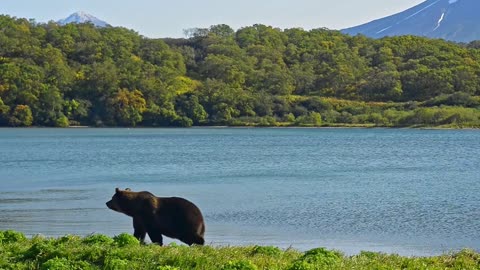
(125, 252)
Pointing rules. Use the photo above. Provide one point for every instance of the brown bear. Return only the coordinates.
(173, 217)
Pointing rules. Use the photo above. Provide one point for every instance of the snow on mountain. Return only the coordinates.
(456, 20)
(82, 17)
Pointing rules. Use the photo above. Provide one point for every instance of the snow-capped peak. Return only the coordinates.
(83, 17)
(455, 20)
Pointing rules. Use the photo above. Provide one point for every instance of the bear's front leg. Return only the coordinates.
(156, 237)
(139, 230)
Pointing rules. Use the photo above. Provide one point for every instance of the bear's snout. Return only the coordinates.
(113, 206)
(109, 205)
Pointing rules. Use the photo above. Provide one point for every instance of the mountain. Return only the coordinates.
(455, 20)
(82, 17)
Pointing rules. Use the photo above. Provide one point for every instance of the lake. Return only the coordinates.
(405, 191)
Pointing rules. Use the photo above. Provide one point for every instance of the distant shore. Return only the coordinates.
(366, 126)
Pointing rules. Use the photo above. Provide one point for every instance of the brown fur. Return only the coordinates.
(173, 217)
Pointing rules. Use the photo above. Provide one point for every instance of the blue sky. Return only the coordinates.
(157, 18)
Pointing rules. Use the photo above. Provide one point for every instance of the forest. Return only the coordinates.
(80, 75)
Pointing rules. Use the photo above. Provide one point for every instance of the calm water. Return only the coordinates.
(412, 192)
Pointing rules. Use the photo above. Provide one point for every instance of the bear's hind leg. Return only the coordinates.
(156, 238)
(199, 240)
(193, 239)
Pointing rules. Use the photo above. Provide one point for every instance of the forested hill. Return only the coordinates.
(53, 75)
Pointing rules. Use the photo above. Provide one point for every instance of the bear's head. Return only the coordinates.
(120, 201)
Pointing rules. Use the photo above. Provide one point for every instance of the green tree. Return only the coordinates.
(312, 119)
(222, 30)
(21, 116)
(127, 107)
(4, 113)
(220, 100)
(424, 83)
(189, 106)
(48, 106)
(465, 80)
(72, 75)
(77, 110)
(223, 68)
(382, 84)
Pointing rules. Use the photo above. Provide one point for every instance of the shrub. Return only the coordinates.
(312, 119)
(394, 117)
(290, 118)
(316, 104)
(62, 121)
(63, 264)
(182, 121)
(11, 237)
(331, 116)
(167, 267)
(318, 258)
(125, 239)
(377, 119)
(266, 250)
(267, 121)
(116, 264)
(21, 116)
(455, 99)
(94, 253)
(67, 239)
(97, 239)
(101, 252)
(39, 250)
(239, 265)
(56, 264)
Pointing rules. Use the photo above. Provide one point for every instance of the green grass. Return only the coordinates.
(125, 252)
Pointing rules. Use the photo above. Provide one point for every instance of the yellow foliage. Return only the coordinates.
(183, 84)
(80, 75)
(23, 28)
(135, 58)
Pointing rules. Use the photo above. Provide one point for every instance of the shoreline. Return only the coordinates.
(256, 127)
(171, 242)
(124, 251)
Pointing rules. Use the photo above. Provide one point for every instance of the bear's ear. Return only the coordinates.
(128, 189)
(117, 190)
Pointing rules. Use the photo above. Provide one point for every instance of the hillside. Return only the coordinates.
(78, 74)
(455, 20)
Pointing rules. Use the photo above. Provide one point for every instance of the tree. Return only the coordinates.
(312, 119)
(223, 68)
(465, 80)
(222, 30)
(127, 107)
(382, 84)
(48, 107)
(304, 77)
(77, 110)
(21, 116)
(220, 100)
(80, 74)
(4, 113)
(189, 106)
(424, 83)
